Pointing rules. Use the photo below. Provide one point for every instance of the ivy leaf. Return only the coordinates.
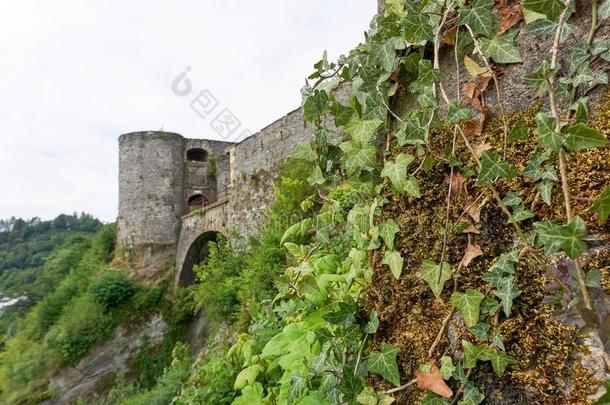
(315, 105)
(582, 137)
(305, 152)
(362, 130)
(388, 230)
(394, 261)
(502, 48)
(489, 306)
(498, 341)
(426, 76)
(499, 361)
(432, 399)
(602, 205)
(358, 156)
(384, 54)
(533, 168)
(471, 354)
(545, 188)
(468, 303)
(345, 316)
(604, 12)
(316, 177)
(412, 187)
(447, 367)
(567, 237)
(550, 8)
(472, 395)
(383, 363)
(521, 214)
(545, 131)
(478, 17)
(480, 331)
(435, 277)
(373, 324)
(396, 171)
(456, 113)
(491, 168)
(417, 28)
(511, 199)
(518, 132)
(539, 79)
(507, 293)
(368, 396)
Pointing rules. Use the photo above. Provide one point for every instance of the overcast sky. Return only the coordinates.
(76, 74)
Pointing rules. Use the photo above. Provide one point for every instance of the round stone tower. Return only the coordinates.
(151, 189)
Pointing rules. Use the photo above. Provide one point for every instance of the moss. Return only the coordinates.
(548, 369)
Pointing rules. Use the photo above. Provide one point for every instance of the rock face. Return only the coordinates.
(105, 361)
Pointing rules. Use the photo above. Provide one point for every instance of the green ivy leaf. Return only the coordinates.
(511, 199)
(498, 341)
(345, 316)
(412, 187)
(501, 48)
(456, 113)
(447, 367)
(471, 354)
(388, 230)
(489, 306)
(417, 28)
(602, 206)
(492, 167)
(384, 363)
(394, 261)
(533, 168)
(396, 171)
(434, 276)
(468, 303)
(550, 8)
(480, 330)
(545, 131)
(472, 395)
(539, 79)
(499, 361)
(384, 54)
(316, 177)
(545, 188)
(604, 12)
(521, 214)
(518, 132)
(305, 152)
(362, 130)
(432, 399)
(582, 137)
(373, 324)
(358, 156)
(507, 293)
(426, 77)
(478, 17)
(567, 237)
(315, 105)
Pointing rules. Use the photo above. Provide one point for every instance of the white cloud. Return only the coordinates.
(74, 75)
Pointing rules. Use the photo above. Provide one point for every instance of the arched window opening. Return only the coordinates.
(196, 155)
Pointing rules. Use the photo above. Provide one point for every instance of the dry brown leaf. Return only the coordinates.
(458, 183)
(474, 210)
(472, 252)
(449, 36)
(510, 15)
(479, 148)
(471, 128)
(433, 381)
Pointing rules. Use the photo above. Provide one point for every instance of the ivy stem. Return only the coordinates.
(402, 387)
(593, 22)
(360, 353)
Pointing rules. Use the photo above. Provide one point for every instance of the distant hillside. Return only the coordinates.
(36, 255)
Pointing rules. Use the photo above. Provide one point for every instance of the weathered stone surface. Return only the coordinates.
(105, 361)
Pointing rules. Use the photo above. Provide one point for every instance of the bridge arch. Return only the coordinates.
(197, 252)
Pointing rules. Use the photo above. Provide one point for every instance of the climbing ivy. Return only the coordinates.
(312, 347)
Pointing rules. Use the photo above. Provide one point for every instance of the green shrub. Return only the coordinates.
(83, 324)
(112, 289)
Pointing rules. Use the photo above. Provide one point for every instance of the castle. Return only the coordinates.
(177, 194)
